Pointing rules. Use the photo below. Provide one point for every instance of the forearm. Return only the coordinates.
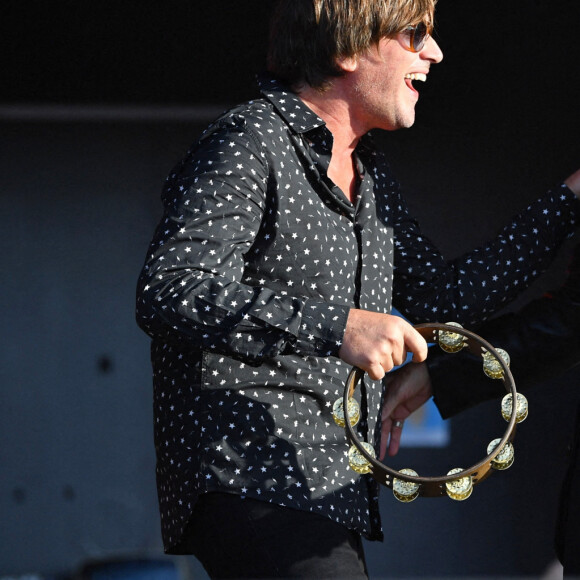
(542, 340)
(212, 277)
(195, 289)
(248, 323)
(474, 286)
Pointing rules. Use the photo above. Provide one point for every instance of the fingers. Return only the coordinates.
(377, 342)
(407, 390)
(395, 439)
(391, 432)
(416, 344)
(378, 370)
(375, 371)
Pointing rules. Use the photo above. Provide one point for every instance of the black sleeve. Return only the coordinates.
(542, 340)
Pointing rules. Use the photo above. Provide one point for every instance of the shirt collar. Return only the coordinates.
(296, 114)
(300, 117)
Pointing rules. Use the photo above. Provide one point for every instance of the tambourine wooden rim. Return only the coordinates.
(435, 486)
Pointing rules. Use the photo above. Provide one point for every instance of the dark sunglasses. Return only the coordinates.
(416, 36)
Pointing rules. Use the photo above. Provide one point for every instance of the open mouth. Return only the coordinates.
(409, 78)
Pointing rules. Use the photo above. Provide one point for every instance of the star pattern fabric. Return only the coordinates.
(246, 291)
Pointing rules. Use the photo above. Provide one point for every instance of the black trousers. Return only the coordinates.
(235, 537)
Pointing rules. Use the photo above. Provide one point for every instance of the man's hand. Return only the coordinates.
(407, 389)
(573, 182)
(377, 342)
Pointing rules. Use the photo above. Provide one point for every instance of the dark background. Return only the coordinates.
(97, 101)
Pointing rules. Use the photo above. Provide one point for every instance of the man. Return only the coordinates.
(284, 242)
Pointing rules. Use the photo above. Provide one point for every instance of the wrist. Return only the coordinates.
(573, 183)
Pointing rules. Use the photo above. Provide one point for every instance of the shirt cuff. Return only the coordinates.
(322, 328)
(569, 198)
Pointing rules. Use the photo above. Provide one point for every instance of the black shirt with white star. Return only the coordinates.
(246, 291)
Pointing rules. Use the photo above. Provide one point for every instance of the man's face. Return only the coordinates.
(385, 81)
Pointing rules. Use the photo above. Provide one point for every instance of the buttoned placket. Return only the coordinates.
(370, 391)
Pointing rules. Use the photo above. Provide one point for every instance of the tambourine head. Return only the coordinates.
(459, 489)
(505, 458)
(357, 461)
(491, 366)
(353, 409)
(450, 341)
(521, 408)
(406, 491)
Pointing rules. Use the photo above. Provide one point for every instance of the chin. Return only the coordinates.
(401, 122)
(407, 123)
(400, 125)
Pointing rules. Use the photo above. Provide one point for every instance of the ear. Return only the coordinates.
(347, 63)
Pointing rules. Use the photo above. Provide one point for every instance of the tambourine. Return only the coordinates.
(458, 483)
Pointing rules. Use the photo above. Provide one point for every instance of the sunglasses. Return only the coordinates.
(415, 37)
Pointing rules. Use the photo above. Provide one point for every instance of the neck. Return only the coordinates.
(333, 108)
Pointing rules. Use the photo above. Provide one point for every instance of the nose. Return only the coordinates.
(431, 51)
